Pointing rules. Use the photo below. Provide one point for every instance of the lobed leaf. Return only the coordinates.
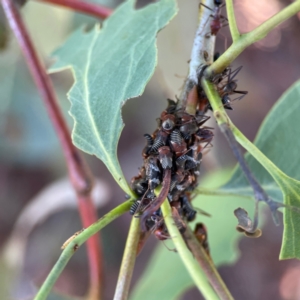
(111, 65)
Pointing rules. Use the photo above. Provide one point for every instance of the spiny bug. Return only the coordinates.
(159, 141)
(153, 173)
(188, 209)
(165, 157)
(148, 147)
(139, 184)
(177, 143)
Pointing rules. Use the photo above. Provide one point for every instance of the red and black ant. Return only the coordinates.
(217, 19)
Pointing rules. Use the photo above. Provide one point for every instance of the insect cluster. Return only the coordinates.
(173, 153)
(175, 147)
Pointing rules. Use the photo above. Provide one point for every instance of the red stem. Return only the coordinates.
(79, 172)
(96, 10)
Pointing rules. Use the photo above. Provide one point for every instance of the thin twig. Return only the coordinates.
(207, 265)
(235, 34)
(259, 193)
(197, 274)
(229, 130)
(222, 193)
(75, 244)
(202, 52)
(250, 38)
(128, 261)
(79, 172)
(96, 10)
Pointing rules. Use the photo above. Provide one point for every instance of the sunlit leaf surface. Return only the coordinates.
(111, 65)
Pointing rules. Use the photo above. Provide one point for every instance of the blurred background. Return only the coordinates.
(38, 207)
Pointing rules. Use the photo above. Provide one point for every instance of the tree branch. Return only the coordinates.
(95, 10)
(202, 53)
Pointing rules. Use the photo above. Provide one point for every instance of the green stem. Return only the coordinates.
(208, 192)
(128, 261)
(251, 37)
(193, 268)
(235, 34)
(274, 171)
(207, 265)
(75, 243)
(222, 117)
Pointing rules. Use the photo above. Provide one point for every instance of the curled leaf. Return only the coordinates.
(246, 225)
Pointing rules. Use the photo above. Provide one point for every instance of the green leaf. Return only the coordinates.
(278, 140)
(167, 267)
(111, 65)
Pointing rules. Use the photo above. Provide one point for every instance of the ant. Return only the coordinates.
(218, 20)
(200, 233)
(230, 88)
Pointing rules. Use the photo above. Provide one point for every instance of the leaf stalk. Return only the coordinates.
(79, 173)
(194, 270)
(207, 265)
(128, 261)
(70, 249)
(243, 41)
(235, 34)
(96, 10)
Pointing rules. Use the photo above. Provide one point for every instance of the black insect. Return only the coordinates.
(188, 211)
(177, 143)
(153, 173)
(204, 135)
(229, 88)
(159, 228)
(165, 157)
(149, 144)
(189, 126)
(177, 178)
(134, 207)
(159, 141)
(139, 184)
(172, 157)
